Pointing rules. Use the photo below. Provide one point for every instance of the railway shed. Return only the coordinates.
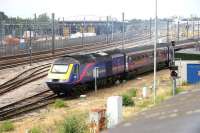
(188, 62)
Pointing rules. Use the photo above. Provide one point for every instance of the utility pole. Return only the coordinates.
(178, 30)
(107, 29)
(187, 28)
(63, 26)
(123, 31)
(193, 26)
(95, 75)
(30, 44)
(83, 29)
(53, 32)
(173, 68)
(198, 30)
(156, 35)
(63, 34)
(35, 25)
(167, 30)
(150, 28)
(112, 29)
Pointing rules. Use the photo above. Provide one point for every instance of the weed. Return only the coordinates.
(179, 90)
(35, 130)
(132, 92)
(59, 103)
(145, 103)
(73, 124)
(6, 126)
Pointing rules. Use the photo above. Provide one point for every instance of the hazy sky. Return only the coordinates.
(78, 8)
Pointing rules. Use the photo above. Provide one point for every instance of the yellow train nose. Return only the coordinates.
(61, 76)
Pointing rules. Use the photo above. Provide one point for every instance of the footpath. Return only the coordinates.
(179, 114)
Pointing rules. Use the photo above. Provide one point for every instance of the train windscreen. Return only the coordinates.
(59, 68)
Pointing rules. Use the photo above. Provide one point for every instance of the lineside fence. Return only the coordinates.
(22, 36)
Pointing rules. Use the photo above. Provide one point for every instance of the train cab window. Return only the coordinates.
(59, 68)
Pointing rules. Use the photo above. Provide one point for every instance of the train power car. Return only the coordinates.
(71, 71)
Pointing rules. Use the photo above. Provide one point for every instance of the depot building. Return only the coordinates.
(188, 62)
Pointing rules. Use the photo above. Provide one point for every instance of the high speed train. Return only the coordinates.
(68, 72)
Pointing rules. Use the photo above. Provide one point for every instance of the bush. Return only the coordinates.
(6, 126)
(35, 130)
(59, 103)
(74, 124)
(133, 92)
(127, 100)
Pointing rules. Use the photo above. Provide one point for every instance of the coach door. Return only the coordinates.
(118, 64)
(76, 72)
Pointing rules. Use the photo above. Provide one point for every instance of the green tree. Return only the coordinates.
(3, 16)
(43, 18)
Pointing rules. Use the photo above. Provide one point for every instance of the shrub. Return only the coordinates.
(59, 103)
(127, 100)
(6, 126)
(35, 130)
(133, 92)
(73, 124)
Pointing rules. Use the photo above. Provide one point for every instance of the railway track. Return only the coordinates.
(59, 52)
(27, 104)
(24, 78)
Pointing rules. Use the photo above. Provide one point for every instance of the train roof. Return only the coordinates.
(106, 55)
(87, 58)
(148, 47)
(65, 60)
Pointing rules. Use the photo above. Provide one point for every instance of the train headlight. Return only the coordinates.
(62, 80)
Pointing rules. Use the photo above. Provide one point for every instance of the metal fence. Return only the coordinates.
(32, 36)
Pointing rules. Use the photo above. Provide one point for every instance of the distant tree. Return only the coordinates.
(3, 16)
(43, 18)
(194, 17)
(43, 24)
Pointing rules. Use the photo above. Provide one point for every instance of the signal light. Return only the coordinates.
(174, 73)
(173, 43)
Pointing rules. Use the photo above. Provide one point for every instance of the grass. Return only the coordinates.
(6, 126)
(160, 98)
(179, 90)
(145, 103)
(35, 130)
(127, 100)
(132, 92)
(74, 124)
(59, 103)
